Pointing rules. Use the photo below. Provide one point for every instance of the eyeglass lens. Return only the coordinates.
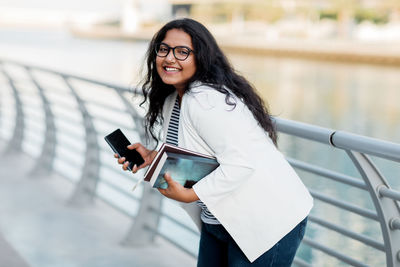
(180, 52)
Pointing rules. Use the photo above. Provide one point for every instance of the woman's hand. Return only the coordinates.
(147, 155)
(177, 192)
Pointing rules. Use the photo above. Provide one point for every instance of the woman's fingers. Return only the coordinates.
(146, 154)
(139, 148)
(135, 146)
(168, 178)
(121, 160)
(135, 168)
(125, 166)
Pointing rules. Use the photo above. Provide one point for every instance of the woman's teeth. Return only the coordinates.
(171, 69)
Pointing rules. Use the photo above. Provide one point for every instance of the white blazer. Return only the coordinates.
(254, 193)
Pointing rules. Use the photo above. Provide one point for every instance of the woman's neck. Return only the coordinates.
(180, 92)
(180, 95)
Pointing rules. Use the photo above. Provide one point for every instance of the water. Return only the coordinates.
(357, 98)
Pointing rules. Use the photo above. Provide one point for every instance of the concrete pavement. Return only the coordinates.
(39, 229)
(8, 256)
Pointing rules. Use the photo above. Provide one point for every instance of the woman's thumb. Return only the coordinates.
(167, 177)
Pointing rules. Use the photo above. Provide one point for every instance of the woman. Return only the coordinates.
(253, 208)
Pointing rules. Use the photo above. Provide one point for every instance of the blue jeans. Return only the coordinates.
(218, 249)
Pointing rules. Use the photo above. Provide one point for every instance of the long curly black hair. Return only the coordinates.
(212, 67)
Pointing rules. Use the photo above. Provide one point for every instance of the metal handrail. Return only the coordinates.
(336, 176)
(389, 193)
(362, 238)
(67, 75)
(346, 206)
(366, 145)
(341, 256)
(340, 139)
(147, 218)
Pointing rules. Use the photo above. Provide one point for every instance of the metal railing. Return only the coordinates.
(356, 213)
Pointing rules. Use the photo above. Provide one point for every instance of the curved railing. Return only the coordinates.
(61, 119)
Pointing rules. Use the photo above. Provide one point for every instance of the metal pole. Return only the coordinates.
(139, 233)
(85, 190)
(387, 209)
(44, 163)
(15, 144)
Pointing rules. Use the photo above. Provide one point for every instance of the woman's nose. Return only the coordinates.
(170, 57)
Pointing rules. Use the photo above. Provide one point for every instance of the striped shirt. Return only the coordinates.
(172, 138)
(172, 133)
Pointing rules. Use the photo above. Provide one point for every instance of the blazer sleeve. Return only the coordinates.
(227, 131)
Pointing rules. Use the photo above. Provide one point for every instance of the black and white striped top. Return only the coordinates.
(172, 133)
(172, 138)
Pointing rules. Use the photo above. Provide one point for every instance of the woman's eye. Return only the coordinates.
(163, 49)
(183, 51)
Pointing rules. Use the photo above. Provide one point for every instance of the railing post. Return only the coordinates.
(148, 216)
(85, 190)
(387, 209)
(44, 163)
(15, 144)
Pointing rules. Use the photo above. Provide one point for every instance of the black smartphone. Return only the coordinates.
(118, 142)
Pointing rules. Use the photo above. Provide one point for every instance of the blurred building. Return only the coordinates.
(297, 18)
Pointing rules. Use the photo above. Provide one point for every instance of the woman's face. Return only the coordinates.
(172, 71)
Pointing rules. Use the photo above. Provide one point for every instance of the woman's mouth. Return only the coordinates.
(171, 69)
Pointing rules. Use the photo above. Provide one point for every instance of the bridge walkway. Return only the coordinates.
(38, 227)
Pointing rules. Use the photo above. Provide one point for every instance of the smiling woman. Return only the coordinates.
(203, 105)
(178, 67)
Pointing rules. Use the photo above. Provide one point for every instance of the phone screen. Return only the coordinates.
(118, 142)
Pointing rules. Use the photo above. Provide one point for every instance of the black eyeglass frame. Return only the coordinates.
(157, 47)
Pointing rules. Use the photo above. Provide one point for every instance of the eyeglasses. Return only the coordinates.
(180, 52)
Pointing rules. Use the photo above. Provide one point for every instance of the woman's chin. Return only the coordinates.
(173, 82)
